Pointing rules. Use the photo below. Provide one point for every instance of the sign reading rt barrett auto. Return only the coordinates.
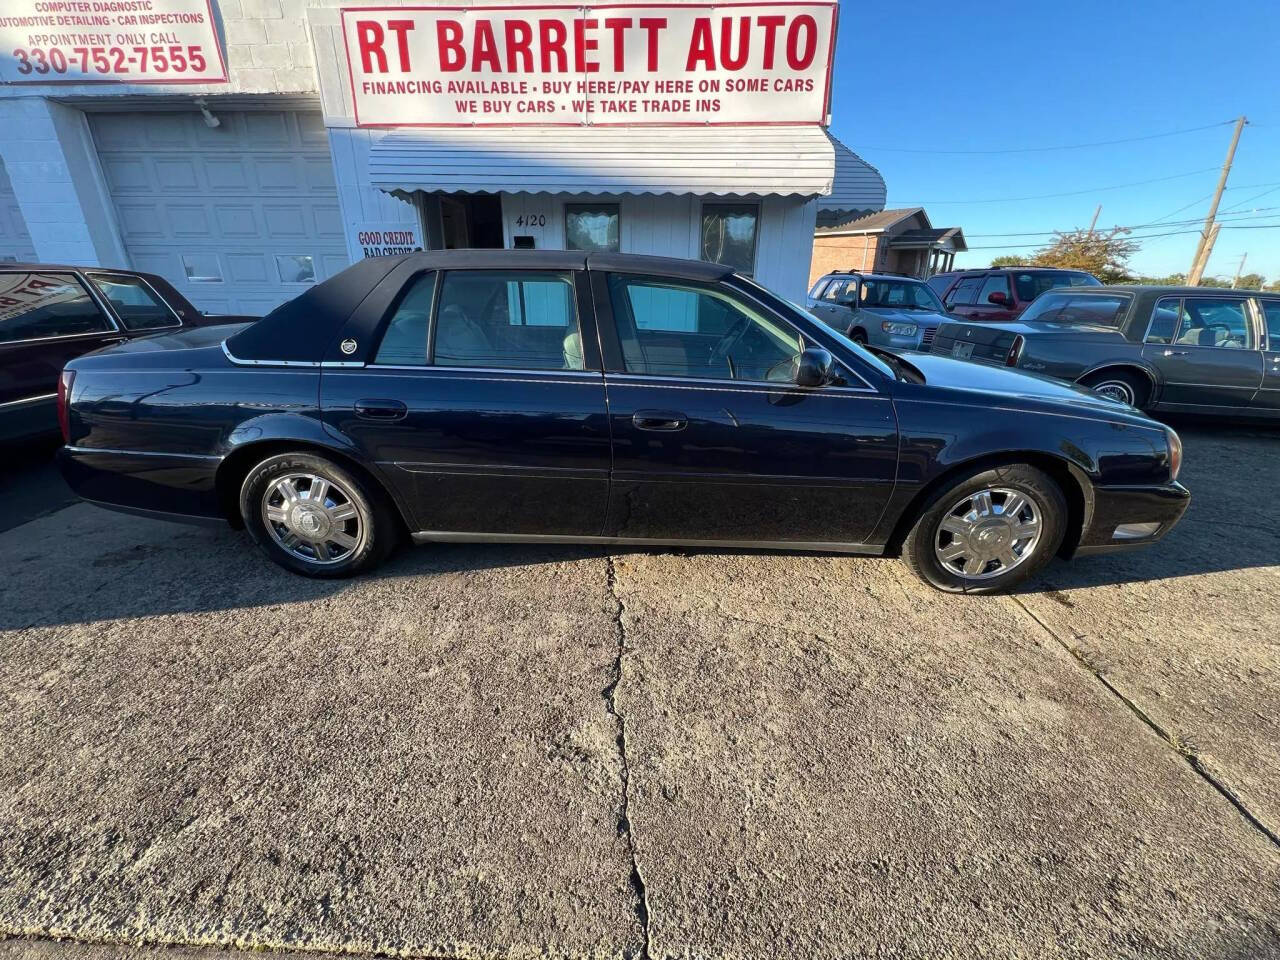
(646, 64)
(109, 41)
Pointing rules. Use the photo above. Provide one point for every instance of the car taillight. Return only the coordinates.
(64, 403)
(1015, 350)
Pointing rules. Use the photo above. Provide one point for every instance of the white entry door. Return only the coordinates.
(240, 217)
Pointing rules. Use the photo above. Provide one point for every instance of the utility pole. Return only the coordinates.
(1239, 270)
(1210, 233)
(1094, 222)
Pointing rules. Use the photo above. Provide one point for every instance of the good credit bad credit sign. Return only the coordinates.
(109, 41)
(646, 64)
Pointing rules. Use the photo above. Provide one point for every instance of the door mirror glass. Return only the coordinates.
(998, 298)
(813, 367)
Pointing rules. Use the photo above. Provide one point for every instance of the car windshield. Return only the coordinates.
(898, 295)
(1035, 282)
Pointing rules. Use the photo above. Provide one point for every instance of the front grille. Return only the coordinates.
(926, 340)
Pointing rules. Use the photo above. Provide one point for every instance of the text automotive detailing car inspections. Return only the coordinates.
(612, 64)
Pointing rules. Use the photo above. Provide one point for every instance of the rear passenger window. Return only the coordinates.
(1271, 310)
(523, 320)
(996, 283)
(135, 302)
(38, 305)
(405, 342)
(965, 293)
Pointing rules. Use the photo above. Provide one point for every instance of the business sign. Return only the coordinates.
(380, 239)
(653, 63)
(109, 41)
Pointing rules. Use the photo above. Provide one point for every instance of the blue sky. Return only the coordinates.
(979, 78)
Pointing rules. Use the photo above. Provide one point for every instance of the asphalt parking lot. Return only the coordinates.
(516, 752)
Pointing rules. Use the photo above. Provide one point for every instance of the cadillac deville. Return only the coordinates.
(602, 398)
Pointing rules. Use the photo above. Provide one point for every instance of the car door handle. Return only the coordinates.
(381, 410)
(1177, 353)
(659, 420)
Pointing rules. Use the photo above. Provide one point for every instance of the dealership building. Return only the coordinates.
(284, 139)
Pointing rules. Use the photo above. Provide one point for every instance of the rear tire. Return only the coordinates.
(988, 531)
(316, 518)
(1122, 385)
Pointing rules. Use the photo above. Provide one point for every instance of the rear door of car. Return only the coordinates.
(484, 403)
(1207, 350)
(962, 299)
(711, 439)
(46, 320)
(1268, 397)
(983, 308)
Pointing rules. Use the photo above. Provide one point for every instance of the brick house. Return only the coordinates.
(886, 241)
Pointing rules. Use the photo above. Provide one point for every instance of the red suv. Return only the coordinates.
(1001, 293)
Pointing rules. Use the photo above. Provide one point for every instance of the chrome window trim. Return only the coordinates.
(265, 363)
(107, 313)
(535, 371)
(142, 280)
(739, 386)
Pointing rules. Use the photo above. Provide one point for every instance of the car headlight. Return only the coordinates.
(1175, 453)
(899, 329)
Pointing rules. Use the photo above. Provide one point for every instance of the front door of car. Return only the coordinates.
(1268, 398)
(481, 406)
(711, 439)
(984, 308)
(1206, 351)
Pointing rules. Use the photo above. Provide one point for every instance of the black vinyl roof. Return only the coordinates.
(301, 330)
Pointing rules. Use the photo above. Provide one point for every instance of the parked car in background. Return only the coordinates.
(901, 313)
(52, 314)
(1175, 349)
(1001, 293)
(461, 395)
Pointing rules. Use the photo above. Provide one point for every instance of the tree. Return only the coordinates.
(1104, 254)
(1009, 260)
(1250, 281)
(1273, 286)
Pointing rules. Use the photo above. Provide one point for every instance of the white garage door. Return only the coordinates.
(239, 217)
(15, 242)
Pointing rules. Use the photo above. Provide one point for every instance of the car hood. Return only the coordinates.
(1010, 384)
(922, 317)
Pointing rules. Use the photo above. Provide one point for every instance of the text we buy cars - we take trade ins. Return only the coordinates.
(245, 150)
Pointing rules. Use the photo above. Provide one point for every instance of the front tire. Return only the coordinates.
(988, 531)
(313, 517)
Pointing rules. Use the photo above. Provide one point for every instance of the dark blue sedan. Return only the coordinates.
(559, 396)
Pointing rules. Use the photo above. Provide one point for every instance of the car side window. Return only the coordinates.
(833, 292)
(135, 303)
(965, 292)
(1215, 322)
(818, 287)
(34, 306)
(674, 329)
(994, 283)
(1271, 311)
(1164, 320)
(405, 341)
(511, 319)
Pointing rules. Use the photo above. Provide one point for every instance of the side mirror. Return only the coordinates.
(813, 368)
(998, 298)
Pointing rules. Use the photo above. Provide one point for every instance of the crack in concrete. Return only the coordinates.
(1170, 740)
(638, 888)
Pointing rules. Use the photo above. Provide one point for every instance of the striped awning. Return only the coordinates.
(764, 161)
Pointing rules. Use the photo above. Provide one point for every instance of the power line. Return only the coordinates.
(1069, 193)
(1069, 146)
(1148, 236)
(1255, 214)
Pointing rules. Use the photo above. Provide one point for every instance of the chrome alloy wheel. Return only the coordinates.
(988, 533)
(312, 518)
(1115, 390)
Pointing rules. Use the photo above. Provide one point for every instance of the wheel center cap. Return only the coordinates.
(310, 522)
(993, 535)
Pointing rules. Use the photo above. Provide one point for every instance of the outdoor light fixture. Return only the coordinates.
(209, 119)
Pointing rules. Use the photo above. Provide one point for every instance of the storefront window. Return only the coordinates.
(729, 235)
(591, 226)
